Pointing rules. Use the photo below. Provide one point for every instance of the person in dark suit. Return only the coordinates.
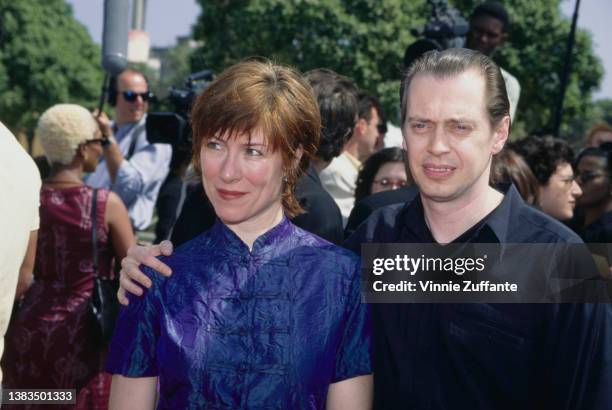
(364, 208)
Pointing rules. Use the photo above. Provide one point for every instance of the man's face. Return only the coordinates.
(131, 111)
(558, 197)
(486, 33)
(371, 136)
(448, 136)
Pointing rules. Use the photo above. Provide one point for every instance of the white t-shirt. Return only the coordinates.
(339, 178)
(20, 193)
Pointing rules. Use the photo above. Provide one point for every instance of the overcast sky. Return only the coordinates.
(168, 19)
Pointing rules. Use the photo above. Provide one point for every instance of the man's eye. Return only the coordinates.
(419, 126)
(462, 128)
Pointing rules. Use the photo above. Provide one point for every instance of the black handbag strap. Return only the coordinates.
(94, 234)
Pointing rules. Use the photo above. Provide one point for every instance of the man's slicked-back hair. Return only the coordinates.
(453, 62)
(338, 105)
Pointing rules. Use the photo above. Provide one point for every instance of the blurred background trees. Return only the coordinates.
(46, 57)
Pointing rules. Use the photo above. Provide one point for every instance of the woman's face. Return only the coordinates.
(594, 180)
(558, 197)
(242, 178)
(390, 176)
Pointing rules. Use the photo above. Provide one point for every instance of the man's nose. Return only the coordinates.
(438, 142)
(576, 190)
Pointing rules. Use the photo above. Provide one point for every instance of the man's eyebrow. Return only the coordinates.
(422, 119)
(460, 120)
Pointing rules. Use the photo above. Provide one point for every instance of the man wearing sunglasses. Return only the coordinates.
(340, 177)
(132, 167)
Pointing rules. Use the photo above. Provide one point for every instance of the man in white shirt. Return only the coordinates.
(132, 167)
(340, 177)
(19, 220)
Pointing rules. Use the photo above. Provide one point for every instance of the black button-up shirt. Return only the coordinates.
(487, 356)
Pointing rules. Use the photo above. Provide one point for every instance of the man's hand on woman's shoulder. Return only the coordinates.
(141, 255)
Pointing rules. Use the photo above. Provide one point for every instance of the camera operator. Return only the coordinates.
(132, 167)
(488, 30)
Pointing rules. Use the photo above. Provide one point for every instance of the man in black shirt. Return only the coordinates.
(455, 116)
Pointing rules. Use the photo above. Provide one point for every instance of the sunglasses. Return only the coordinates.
(131, 96)
(381, 128)
(95, 140)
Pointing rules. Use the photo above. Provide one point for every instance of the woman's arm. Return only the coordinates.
(118, 221)
(132, 393)
(355, 393)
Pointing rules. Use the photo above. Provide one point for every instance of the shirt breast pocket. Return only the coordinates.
(495, 347)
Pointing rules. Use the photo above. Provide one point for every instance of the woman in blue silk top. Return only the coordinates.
(259, 314)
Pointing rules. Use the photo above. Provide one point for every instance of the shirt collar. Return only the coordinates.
(227, 241)
(492, 228)
(354, 161)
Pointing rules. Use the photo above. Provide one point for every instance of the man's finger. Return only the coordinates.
(129, 286)
(139, 252)
(132, 272)
(157, 265)
(166, 248)
(122, 298)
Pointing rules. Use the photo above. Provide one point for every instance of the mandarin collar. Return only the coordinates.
(228, 242)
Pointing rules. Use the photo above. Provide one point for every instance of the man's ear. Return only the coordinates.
(501, 135)
(361, 126)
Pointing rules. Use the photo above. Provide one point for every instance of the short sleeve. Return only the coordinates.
(133, 348)
(355, 353)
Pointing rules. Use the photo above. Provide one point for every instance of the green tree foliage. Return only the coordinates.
(366, 39)
(363, 39)
(46, 57)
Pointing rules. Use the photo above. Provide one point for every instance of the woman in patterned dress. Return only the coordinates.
(51, 342)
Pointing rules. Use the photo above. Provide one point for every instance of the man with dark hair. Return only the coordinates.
(454, 116)
(340, 177)
(488, 30)
(337, 99)
(132, 167)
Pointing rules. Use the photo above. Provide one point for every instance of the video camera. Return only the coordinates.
(174, 127)
(446, 29)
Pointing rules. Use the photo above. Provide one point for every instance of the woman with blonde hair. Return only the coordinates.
(52, 342)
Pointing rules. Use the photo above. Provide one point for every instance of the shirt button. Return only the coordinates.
(242, 368)
(245, 295)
